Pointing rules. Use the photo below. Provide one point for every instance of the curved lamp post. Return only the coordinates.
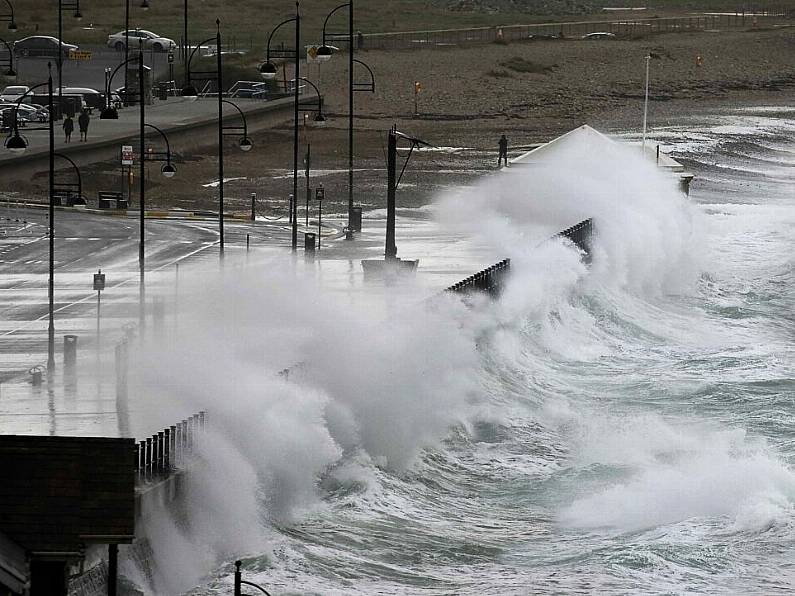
(268, 71)
(189, 92)
(9, 17)
(144, 6)
(10, 72)
(168, 170)
(79, 183)
(18, 144)
(324, 53)
(62, 6)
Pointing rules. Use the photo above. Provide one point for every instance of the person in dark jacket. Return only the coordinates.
(68, 127)
(82, 122)
(503, 151)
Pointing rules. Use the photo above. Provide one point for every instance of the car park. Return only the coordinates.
(140, 38)
(13, 92)
(38, 46)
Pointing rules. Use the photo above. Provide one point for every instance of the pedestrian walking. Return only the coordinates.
(83, 121)
(68, 127)
(503, 151)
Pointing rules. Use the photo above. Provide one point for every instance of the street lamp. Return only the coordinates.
(12, 24)
(324, 53)
(17, 144)
(168, 170)
(268, 71)
(62, 6)
(189, 91)
(144, 6)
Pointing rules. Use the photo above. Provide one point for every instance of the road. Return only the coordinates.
(85, 243)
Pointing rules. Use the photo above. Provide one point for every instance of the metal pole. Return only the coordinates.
(294, 210)
(99, 292)
(390, 251)
(113, 568)
(142, 198)
(646, 104)
(238, 587)
(51, 283)
(308, 190)
(60, 61)
(350, 115)
(220, 136)
(319, 220)
(126, 53)
(185, 49)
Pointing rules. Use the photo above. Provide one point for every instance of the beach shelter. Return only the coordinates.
(587, 138)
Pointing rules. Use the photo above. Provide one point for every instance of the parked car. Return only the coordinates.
(13, 93)
(42, 45)
(599, 35)
(138, 38)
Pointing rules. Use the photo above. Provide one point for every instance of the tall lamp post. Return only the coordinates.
(144, 6)
(324, 53)
(9, 17)
(17, 144)
(189, 91)
(168, 170)
(268, 70)
(62, 6)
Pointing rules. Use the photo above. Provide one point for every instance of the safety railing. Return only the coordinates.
(626, 27)
(169, 449)
(489, 280)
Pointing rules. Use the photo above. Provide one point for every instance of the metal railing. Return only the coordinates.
(168, 450)
(626, 27)
(492, 279)
(489, 280)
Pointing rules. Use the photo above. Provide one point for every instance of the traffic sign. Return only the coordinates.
(79, 55)
(171, 57)
(99, 281)
(127, 155)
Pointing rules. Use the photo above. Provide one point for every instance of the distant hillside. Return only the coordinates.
(248, 22)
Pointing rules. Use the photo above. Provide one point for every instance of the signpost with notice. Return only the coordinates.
(127, 155)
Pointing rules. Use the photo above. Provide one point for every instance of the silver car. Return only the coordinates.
(140, 38)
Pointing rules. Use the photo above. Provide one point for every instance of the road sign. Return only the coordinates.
(99, 281)
(79, 55)
(311, 55)
(127, 155)
(171, 57)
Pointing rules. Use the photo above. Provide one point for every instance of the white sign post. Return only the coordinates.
(127, 155)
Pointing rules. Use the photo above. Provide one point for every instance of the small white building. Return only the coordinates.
(585, 135)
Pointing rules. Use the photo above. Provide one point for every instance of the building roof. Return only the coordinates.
(587, 136)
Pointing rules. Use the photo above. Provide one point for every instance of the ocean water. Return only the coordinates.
(627, 427)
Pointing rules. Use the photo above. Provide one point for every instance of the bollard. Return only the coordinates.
(253, 206)
(309, 245)
(202, 415)
(356, 219)
(35, 375)
(69, 352)
(248, 240)
(167, 450)
(178, 443)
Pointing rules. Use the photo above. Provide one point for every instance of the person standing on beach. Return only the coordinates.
(68, 127)
(503, 151)
(83, 121)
